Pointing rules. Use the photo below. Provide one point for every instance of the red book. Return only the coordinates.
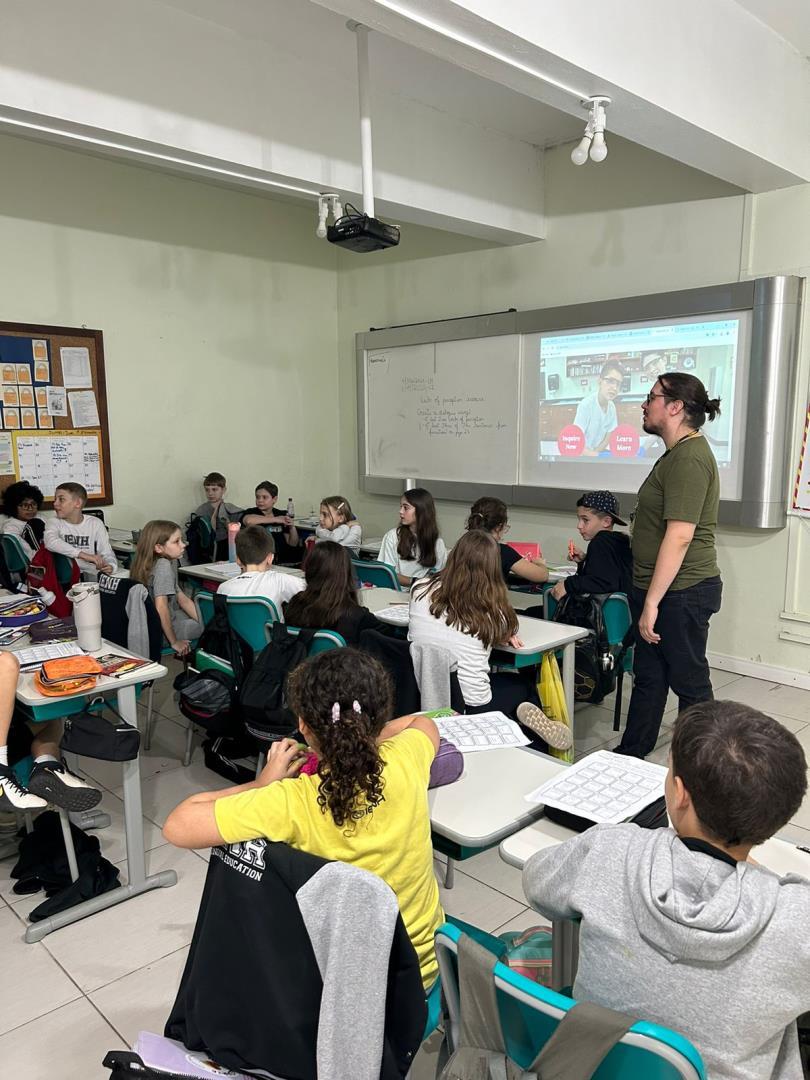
(526, 551)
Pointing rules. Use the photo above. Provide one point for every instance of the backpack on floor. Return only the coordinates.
(595, 664)
(221, 640)
(263, 698)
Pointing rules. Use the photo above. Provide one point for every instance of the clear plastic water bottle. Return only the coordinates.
(290, 508)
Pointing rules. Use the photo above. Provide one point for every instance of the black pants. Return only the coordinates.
(677, 662)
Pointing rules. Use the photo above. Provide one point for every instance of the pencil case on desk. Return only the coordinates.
(67, 675)
(22, 612)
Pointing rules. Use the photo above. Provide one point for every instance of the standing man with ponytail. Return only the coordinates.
(676, 580)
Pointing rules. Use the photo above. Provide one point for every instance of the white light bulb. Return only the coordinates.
(323, 213)
(320, 232)
(599, 148)
(579, 155)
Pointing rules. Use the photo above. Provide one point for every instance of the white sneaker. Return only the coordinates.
(555, 734)
(13, 796)
(54, 782)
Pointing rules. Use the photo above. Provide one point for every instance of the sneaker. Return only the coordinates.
(54, 782)
(555, 734)
(13, 796)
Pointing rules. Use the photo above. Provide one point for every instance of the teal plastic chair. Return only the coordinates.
(381, 574)
(323, 641)
(248, 615)
(63, 565)
(16, 559)
(529, 1014)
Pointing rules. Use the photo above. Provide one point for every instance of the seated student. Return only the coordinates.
(289, 548)
(50, 781)
(329, 601)
(414, 548)
(367, 803)
(22, 503)
(217, 512)
(80, 536)
(254, 553)
(492, 516)
(465, 610)
(159, 549)
(608, 565)
(680, 926)
(338, 523)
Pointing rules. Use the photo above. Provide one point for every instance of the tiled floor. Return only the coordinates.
(91, 987)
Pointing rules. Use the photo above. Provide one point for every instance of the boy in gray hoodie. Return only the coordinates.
(679, 926)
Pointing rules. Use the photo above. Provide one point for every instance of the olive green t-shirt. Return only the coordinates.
(684, 485)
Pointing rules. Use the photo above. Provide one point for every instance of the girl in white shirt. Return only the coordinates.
(339, 524)
(465, 609)
(414, 548)
(22, 503)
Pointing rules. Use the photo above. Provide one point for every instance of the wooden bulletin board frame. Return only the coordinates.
(57, 338)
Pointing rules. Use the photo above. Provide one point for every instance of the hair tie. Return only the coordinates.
(356, 707)
(335, 713)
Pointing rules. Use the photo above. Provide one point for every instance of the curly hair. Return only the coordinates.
(350, 767)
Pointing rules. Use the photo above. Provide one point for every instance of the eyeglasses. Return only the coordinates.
(649, 398)
(28, 506)
(615, 382)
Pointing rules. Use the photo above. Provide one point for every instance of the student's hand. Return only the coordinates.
(105, 568)
(575, 555)
(646, 624)
(515, 642)
(284, 760)
(88, 556)
(182, 647)
(558, 592)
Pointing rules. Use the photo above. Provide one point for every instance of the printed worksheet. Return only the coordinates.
(481, 731)
(603, 787)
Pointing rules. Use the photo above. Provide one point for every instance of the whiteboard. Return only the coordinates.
(448, 411)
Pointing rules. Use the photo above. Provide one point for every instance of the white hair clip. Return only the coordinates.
(335, 713)
(356, 707)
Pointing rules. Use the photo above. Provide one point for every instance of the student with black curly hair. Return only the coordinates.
(22, 503)
(365, 805)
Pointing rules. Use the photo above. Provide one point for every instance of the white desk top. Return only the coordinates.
(29, 695)
(487, 802)
(203, 570)
(537, 635)
(778, 855)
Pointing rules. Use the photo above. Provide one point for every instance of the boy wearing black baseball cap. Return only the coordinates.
(608, 565)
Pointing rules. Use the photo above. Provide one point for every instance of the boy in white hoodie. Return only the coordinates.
(79, 536)
(679, 926)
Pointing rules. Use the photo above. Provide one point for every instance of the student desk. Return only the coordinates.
(487, 802)
(370, 549)
(204, 571)
(537, 635)
(125, 548)
(778, 855)
(48, 708)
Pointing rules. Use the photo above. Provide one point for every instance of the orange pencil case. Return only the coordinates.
(67, 675)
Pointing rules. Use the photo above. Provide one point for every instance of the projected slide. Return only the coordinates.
(592, 384)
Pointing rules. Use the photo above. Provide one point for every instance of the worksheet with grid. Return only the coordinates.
(481, 731)
(603, 787)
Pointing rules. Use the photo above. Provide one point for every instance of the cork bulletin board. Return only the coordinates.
(53, 409)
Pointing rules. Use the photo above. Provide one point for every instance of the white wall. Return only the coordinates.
(598, 248)
(219, 318)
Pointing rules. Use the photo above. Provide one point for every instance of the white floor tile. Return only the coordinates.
(33, 982)
(490, 869)
(523, 921)
(142, 1001)
(125, 938)
(771, 698)
(162, 792)
(71, 1043)
(478, 904)
(165, 754)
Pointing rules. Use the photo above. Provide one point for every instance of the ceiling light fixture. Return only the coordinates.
(592, 144)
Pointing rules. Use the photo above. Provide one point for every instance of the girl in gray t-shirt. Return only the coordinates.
(160, 545)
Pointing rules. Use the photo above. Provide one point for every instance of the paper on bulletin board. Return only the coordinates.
(76, 374)
(800, 503)
(50, 458)
(6, 455)
(83, 409)
(57, 400)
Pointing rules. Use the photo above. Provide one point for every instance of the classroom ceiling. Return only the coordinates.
(465, 94)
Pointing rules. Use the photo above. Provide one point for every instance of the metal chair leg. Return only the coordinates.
(449, 873)
(261, 761)
(147, 731)
(189, 744)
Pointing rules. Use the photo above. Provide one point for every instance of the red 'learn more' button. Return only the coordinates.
(624, 441)
(571, 441)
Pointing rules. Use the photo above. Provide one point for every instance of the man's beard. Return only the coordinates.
(649, 427)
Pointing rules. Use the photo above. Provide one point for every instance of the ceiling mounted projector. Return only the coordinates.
(359, 232)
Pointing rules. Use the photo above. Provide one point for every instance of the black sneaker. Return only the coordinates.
(54, 782)
(13, 796)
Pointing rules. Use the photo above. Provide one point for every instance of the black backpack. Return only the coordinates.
(221, 640)
(201, 541)
(263, 697)
(595, 662)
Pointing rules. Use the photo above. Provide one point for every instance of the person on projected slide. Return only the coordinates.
(596, 414)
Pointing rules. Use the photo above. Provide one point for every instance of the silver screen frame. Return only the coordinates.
(775, 306)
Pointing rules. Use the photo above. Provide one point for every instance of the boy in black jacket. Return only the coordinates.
(608, 565)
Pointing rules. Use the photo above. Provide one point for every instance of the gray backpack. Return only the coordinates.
(580, 1042)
